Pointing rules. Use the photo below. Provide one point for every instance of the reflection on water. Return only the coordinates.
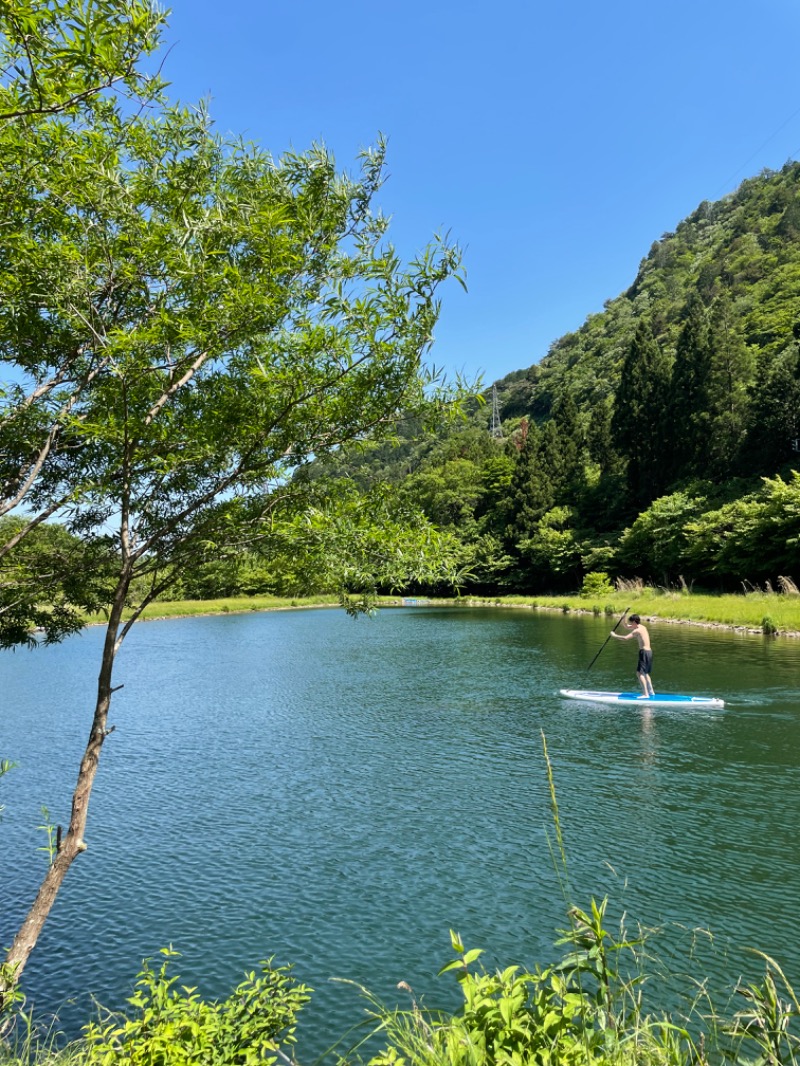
(340, 794)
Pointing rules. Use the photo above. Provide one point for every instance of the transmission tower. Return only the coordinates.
(497, 429)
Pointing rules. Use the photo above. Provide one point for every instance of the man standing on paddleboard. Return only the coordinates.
(644, 666)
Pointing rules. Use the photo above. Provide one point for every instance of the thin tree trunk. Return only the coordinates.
(73, 842)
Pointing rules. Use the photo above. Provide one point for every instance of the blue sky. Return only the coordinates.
(554, 141)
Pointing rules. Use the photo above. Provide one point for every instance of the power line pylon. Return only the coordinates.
(497, 429)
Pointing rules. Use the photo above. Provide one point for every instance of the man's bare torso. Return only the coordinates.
(642, 636)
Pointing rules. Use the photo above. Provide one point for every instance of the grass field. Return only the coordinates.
(184, 608)
(230, 605)
(764, 612)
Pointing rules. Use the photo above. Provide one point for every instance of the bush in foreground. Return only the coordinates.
(587, 1009)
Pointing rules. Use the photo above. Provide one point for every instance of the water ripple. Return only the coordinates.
(340, 794)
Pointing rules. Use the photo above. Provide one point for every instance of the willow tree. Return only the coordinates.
(58, 55)
(59, 60)
(238, 317)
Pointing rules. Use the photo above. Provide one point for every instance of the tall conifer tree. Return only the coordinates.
(638, 422)
(774, 437)
(689, 418)
(571, 445)
(731, 375)
(530, 493)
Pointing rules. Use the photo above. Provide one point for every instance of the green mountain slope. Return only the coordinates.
(656, 440)
(747, 245)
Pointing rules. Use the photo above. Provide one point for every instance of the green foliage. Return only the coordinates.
(186, 322)
(512, 1017)
(552, 549)
(689, 378)
(776, 410)
(546, 475)
(48, 828)
(753, 537)
(243, 573)
(738, 248)
(571, 445)
(761, 1031)
(487, 563)
(191, 322)
(531, 489)
(731, 374)
(687, 400)
(12, 998)
(693, 372)
(56, 56)
(494, 507)
(579, 1011)
(69, 70)
(356, 543)
(683, 604)
(48, 582)
(598, 557)
(596, 583)
(657, 542)
(448, 494)
(175, 1027)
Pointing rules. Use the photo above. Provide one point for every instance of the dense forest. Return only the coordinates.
(659, 440)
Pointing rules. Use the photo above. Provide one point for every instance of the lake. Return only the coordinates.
(339, 794)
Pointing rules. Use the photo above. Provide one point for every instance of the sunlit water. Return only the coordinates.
(340, 794)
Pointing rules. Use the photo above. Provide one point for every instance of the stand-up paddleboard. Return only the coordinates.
(661, 699)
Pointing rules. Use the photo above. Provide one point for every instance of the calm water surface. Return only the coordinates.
(340, 794)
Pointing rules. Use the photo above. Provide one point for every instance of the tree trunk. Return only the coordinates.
(73, 842)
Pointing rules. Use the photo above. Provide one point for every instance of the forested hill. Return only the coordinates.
(744, 249)
(658, 439)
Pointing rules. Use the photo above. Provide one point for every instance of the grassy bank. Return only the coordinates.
(234, 604)
(758, 612)
(228, 605)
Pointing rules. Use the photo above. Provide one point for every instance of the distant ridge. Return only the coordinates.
(747, 243)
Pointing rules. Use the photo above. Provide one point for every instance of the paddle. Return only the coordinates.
(608, 638)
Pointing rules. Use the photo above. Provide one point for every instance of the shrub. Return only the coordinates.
(173, 1028)
(596, 583)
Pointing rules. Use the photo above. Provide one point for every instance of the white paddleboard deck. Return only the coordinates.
(661, 699)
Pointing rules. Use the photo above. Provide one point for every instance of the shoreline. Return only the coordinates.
(649, 617)
(565, 605)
